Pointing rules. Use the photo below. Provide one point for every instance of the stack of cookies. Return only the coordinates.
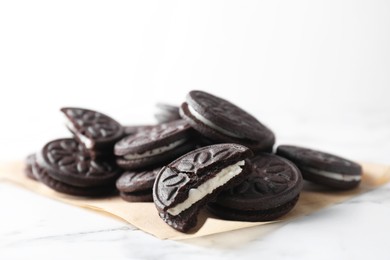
(209, 153)
(82, 165)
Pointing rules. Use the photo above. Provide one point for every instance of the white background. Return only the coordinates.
(326, 62)
(316, 72)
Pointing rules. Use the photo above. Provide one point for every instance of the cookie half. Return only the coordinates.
(97, 131)
(222, 121)
(270, 190)
(184, 186)
(323, 168)
(154, 146)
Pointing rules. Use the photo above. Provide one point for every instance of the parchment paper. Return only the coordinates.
(144, 215)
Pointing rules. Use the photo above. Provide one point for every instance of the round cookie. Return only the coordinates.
(132, 181)
(43, 176)
(270, 190)
(167, 113)
(97, 131)
(323, 168)
(136, 186)
(154, 146)
(133, 129)
(68, 161)
(222, 121)
(139, 196)
(185, 185)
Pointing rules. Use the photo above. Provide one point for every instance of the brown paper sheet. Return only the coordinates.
(144, 215)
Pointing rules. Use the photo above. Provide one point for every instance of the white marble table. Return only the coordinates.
(36, 227)
(316, 72)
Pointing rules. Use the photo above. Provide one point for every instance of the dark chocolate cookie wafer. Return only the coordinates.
(323, 168)
(167, 113)
(68, 161)
(30, 160)
(136, 186)
(222, 121)
(270, 191)
(43, 176)
(97, 131)
(138, 196)
(185, 185)
(154, 146)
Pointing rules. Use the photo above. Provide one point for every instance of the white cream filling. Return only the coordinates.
(333, 175)
(132, 156)
(209, 123)
(85, 140)
(198, 193)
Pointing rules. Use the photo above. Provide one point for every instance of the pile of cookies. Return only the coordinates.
(209, 153)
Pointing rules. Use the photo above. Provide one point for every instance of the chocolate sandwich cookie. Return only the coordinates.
(97, 131)
(188, 183)
(30, 160)
(139, 196)
(68, 161)
(136, 186)
(167, 113)
(43, 176)
(270, 190)
(323, 168)
(222, 121)
(154, 146)
(133, 129)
